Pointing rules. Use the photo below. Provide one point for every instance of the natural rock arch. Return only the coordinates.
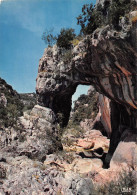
(105, 60)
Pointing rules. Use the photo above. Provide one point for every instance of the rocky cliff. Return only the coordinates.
(10, 105)
(23, 131)
(32, 158)
(102, 121)
(105, 59)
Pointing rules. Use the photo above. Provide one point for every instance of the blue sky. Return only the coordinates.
(22, 23)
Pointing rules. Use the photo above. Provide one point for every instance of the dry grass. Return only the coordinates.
(75, 42)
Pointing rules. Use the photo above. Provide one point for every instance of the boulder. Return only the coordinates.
(86, 144)
(77, 185)
(126, 152)
(84, 166)
(36, 135)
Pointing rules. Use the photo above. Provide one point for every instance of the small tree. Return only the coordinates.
(49, 38)
(65, 37)
(118, 9)
(90, 19)
(110, 13)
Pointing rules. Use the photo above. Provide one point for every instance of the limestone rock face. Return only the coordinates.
(104, 109)
(107, 60)
(102, 121)
(54, 87)
(37, 136)
(10, 105)
(3, 100)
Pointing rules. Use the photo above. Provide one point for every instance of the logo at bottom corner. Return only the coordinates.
(126, 190)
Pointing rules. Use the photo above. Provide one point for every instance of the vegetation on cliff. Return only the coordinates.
(49, 38)
(13, 105)
(92, 17)
(100, 15)
(85, 108)
(63, 39)
(28, 100)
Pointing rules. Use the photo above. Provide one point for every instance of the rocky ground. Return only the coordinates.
(30, 165)
(33, 161)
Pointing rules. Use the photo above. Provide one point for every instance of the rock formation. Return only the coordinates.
(102, 121)
(105, 59)
(85, 107)
(10, 105)
(34, 134)
(31, 157)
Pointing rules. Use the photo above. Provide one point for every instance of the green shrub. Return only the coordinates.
(90, 19)
(74, 129)
(28, 100)
(13, 109)
(85, 108)
(118, 9)
(110, 13)
(49, 38)
(65, 37)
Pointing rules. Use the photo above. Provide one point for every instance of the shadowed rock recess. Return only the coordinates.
(107, 60)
